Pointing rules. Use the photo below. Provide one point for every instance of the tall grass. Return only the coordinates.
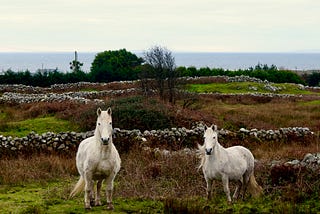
(39, 168)
(233, 113)
(175, 180)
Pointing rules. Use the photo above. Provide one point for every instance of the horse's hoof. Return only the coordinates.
(110, 206)
(87, 208)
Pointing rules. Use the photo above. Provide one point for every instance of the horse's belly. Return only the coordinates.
(102, 171)
(101, 175)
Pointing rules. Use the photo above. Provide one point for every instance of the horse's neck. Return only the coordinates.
(105, 149)
(218, 151)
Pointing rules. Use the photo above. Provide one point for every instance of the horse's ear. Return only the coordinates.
(98, 111)
(215, 127)
(205, 127)
(109, 111)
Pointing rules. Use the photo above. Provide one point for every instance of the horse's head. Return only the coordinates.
(104, 126)
(210, 138)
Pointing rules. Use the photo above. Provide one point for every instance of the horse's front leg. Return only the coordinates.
(225, 182)
(209, 188)
(98, 198)
(109, 191)
(88, 192)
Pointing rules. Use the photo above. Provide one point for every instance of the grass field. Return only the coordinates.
(38, 125)
(151, 183)
(246, 87)
(52, 198)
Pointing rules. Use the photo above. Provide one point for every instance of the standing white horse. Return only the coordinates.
(234, 163)
(97, 160)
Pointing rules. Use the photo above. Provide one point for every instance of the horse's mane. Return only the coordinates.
(201, 155)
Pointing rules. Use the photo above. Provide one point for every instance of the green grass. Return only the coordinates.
(53, 198)
(38, 125)
(245, 87)
(311, 103)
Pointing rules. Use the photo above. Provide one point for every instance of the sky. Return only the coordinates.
(178, 25)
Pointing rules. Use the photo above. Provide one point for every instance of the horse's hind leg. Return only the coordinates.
(246, 179)
(238, 190)
(98, 198)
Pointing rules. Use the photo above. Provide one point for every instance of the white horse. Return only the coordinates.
(234, 163)
(97, 160)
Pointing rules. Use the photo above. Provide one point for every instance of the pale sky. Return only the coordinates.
(179, 25)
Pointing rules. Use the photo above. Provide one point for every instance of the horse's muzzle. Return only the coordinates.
(209, 151)
(105, 141)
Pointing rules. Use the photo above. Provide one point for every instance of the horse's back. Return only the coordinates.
(241, 154)
(84, 149)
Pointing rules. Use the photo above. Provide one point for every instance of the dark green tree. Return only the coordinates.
(115, 66)
(313, 79)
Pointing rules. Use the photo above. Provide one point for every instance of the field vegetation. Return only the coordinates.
(149, 182)
(247, 87)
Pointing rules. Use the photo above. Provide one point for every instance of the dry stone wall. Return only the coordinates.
(81, 97)
(174, 138)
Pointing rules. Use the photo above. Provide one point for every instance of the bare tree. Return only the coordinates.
(163, 68)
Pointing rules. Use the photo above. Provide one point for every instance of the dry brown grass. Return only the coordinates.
(148, 175)
(271, 115)
(145, 174)
(39, 168)
(283, 151)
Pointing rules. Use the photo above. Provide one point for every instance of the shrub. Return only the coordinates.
(139, 113)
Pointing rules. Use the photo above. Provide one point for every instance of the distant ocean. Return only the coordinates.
(231, 61)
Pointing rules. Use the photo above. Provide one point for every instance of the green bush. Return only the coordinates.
(139, 113)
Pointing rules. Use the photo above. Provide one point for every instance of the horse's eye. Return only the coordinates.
(99, 124)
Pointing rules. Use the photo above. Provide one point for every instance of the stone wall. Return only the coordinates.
(174, 138)
(29, 94)
(80, 96)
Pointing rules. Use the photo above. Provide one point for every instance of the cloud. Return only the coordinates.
(212, 25)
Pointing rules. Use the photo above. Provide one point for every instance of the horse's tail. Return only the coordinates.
(253, 187)
(78, 187)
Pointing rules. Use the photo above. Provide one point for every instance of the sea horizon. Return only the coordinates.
(298, 61)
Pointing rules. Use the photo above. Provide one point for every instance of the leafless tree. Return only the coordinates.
(163, 67)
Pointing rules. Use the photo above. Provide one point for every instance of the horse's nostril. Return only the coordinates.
(105, 140)
(208, 151)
